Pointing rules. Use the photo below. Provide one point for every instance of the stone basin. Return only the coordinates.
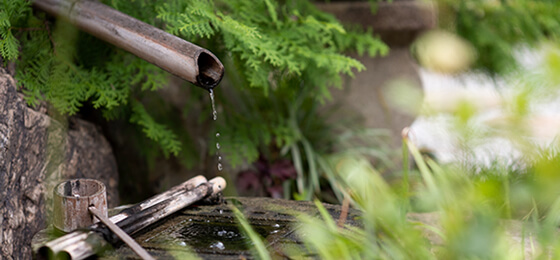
(211, 231)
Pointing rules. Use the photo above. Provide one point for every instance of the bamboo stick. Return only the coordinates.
(81, 244)
(140, 251)
(169, 52)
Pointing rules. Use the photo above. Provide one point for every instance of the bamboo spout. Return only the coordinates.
(169, 52)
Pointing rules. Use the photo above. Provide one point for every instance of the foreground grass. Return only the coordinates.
(441, 212)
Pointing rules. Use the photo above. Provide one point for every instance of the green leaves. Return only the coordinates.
(8, 45)
(276, 48)
(155, 131)
(55, 68)
(495, 28)
(273, 42)
(51, 73)
(257, 243)
(11, 13)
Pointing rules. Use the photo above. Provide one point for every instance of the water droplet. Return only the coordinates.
(222, 233)
(190, 219)
(221, 211)
(208, 221)
(274, 231)
(182, 243)
(230, 234)
(218, 245)
(215, 117)
(276, 225)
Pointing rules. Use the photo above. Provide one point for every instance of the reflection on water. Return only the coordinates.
(219, 236)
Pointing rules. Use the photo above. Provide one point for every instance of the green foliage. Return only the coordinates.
(330, 241)
(54, 66)
(496, 27)
(61, 65)
(448, 213)
(291, 54)
(11, 14)
(461, 210)
(271, 42)
(157, 132)
(257, 244)
(278, 48)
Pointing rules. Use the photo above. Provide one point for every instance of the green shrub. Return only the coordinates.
(281, 58)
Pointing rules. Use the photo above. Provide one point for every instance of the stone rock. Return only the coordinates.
(397, 22)
(369, 93)
(37, 152)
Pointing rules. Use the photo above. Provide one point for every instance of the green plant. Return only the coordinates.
(495, 28)
(11, 14)
(457, 210)
(281, 58)
(258, 246)
(449, 213)
(290, 53)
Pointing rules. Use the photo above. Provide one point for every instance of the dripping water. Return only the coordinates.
(214, 112)
(220, 167)
(215, 117)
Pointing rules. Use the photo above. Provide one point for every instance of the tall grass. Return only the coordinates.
(448, 214)
(451, 211)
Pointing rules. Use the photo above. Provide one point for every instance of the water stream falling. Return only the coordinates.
(215, 117)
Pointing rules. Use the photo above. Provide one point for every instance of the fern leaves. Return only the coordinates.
(8, 44)
(278, 49)
(271, 41)
(159, 133)
(275, 47)
(196, 22)
(11, 12)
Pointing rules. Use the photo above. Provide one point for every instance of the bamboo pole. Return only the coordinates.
(81, 244)
(172, 204)
(169, 52)
(139, 250)
(187, 185)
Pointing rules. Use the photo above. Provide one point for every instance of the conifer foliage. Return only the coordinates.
(272, 41)
(273, 47)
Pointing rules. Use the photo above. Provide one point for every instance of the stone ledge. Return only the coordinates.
(397, 23)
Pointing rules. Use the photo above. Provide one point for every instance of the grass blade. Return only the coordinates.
(251, 234)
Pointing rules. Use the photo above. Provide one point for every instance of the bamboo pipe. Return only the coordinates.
(81, 244)
(148, 216)
(84, 243)
(187, 185)
(169, 52)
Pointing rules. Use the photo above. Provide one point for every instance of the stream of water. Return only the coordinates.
(215, 117)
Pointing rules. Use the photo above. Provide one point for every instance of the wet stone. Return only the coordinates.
(211, 231)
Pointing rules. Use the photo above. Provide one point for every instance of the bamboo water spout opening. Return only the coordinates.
(169, 52)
